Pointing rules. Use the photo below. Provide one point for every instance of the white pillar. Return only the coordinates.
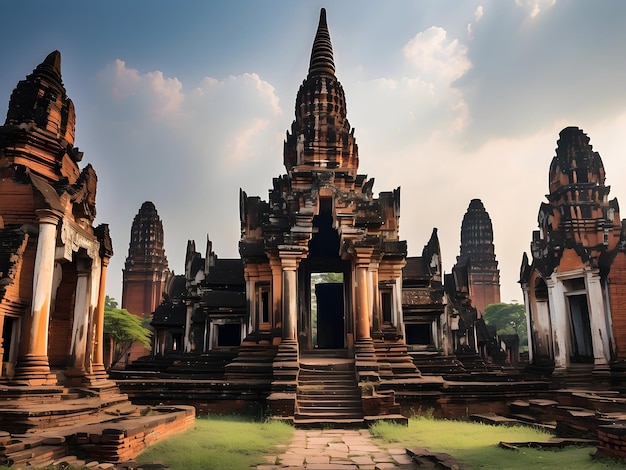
(597, 319)
(398, 321)
(529, 331)
(560, 324)
(33, 364)
(78, 345)
(97, 347)
(188, 313)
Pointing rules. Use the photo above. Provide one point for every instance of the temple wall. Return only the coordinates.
(617, 300)
(17, 204)
(483, 294)
(569, 261)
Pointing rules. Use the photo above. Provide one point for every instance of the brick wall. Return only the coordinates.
(617, 296)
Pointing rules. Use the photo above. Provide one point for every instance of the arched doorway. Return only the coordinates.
(324, 280)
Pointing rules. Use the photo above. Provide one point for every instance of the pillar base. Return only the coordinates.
(98, 379)
(601, 374)
(34, 370)
(364, 348)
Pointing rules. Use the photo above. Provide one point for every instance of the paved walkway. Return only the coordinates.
(336, 449)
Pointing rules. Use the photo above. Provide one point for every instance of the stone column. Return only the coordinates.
(529, 325)
(251, 277)
(80, 323)
(374, 297)
(98, 370)
(33, 365)
(188, 312)
(277, 292)
(362, 304)
(398, 317)
(560, 324)
(597, 320)
(599, 329)
(290, 296)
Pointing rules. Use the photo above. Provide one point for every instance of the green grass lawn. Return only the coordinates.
(220, 443)
(236, 443)
(477, 445)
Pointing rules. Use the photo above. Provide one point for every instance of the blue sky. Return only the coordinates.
(183, 103)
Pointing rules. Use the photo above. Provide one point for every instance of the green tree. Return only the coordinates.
(508, 319)
(123, 329)
(324, 278)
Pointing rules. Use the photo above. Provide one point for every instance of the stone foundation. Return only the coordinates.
(111, 440)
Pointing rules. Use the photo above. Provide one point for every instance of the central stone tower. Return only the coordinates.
(323, 261)
(322, 258)
(322, 217)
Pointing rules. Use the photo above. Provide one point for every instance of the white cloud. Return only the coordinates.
(416, 107)
(437, 58)
(163, 94)
(125, 81)
(478, 13)
(186, 148)
(233, 114)
(167, 93)
(535, 6)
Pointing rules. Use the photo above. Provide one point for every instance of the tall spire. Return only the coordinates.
(145, 271)
(146, 249)
(322, 53)
(41, 99)
(476, 231)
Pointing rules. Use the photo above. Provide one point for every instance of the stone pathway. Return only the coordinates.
(336, 449)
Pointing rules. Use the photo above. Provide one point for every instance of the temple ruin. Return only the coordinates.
(53, 266)
(323, 319)
(573, 283)
(325, 294)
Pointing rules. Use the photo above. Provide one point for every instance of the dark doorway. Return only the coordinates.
(229, 334)
(330, 323)
(581, 329)
(418, 334)
(324, 320)
(7, 336)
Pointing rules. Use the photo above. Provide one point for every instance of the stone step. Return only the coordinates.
(327, 391)
(330, 403)
(326, 381)
(326, 415)
(331, 422)
(324, 392)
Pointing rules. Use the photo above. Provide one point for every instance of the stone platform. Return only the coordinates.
(44, 426)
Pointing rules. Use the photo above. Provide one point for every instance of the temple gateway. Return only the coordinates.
(322, 217)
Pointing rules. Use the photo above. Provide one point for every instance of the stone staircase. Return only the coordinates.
(577, 376)
(327, 393)
(394, 360)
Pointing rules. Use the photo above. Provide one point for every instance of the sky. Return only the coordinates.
(184, 103)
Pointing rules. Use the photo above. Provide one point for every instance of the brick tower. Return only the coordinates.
(478, 257)
(146, 271)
